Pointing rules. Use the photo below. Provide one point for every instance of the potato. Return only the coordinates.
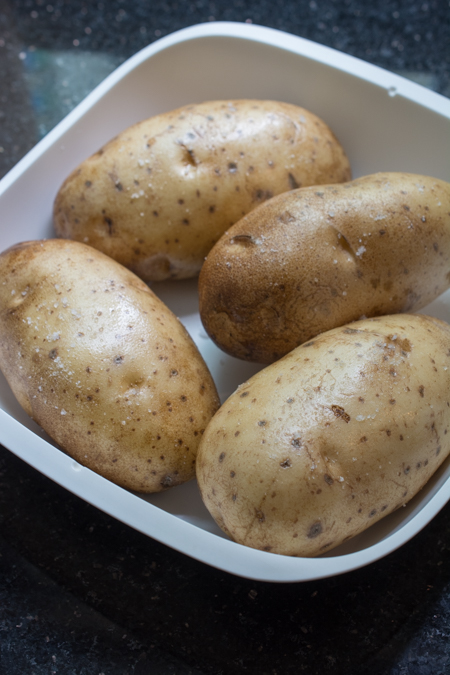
(106, 369)
(157, 197)
(316, 258)
(339, 433)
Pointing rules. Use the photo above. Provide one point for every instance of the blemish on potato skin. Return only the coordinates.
(339, 412)
(260, 516)
(293, 184)
(315, 530)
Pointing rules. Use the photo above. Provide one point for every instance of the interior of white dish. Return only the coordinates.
(383, 122)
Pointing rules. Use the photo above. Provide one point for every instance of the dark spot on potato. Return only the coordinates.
(167, 481)
(109, 223)
(88, 183)
(212, 208)
(388, 432)
(309, 344)
(405, 345)
(315, 530)
(236, 433)
(262, 195)
(421, 390)
(392, 401)
(262, 423)
(286, 464)
(232, 167)
(221, 457)
(406, 470)
(260, 515)
(293, 184)
(363, 439)
(340, 412)
(245, 393)
(296, 442)
(327, 478)
(290, 400)
(118, 359)
(372, 513)
(382, 232)
(438, 450)
(173, 373)
(53, 353)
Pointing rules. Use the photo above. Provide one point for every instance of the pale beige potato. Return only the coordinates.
(102, 365)
(319, 257)
(157, 197)
(342, 431)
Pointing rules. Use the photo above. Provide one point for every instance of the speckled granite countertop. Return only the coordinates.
(80, 593)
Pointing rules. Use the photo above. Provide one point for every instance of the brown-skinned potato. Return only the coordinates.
(319, 257)
(102, 365)
(158, 196)
(339, 433)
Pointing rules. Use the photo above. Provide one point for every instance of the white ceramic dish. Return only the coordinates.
(385, 123)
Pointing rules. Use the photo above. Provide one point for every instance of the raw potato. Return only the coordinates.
(104, 367)
(316, 258)
(339, 433)
(158, 196)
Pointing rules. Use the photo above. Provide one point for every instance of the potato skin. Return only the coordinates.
(339, 433)
(316, 258)
(106, 369)
(159, 195)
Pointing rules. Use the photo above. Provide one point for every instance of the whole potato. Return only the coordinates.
(316, 258)
(159, 195)
(340, 432)
(106, 369)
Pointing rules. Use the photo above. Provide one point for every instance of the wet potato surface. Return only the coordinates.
(319, 257)
(339, 433)
(159, 195)
(96, 359)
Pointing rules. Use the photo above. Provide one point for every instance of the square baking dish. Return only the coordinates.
(384, 122)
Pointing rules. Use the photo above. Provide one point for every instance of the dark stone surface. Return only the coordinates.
(82, 594)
